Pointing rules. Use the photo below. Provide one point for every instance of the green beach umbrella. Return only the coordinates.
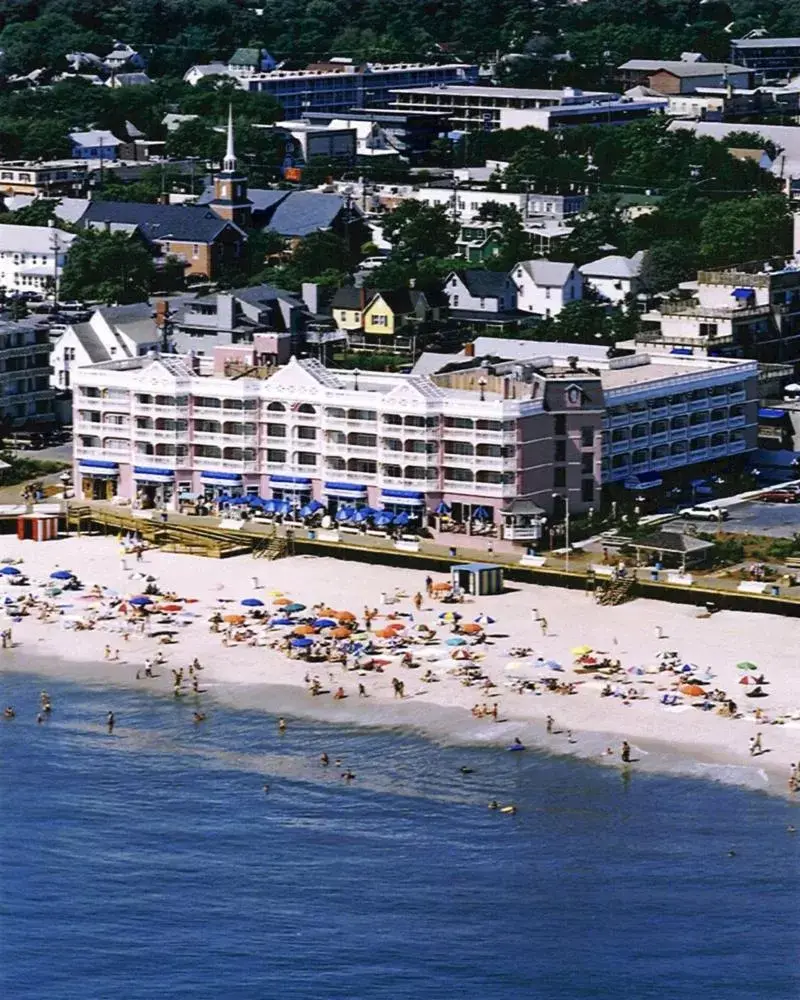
(746, 665)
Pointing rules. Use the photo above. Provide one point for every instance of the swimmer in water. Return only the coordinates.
(110, 722)
(494, 804)
(9, 712)
(281, 725)
(466, 770)
(324, 760)
(40, 718)
(199, 717)
(348, 775)
(266, 788)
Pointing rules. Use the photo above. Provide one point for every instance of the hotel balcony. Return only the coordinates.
(620, 420)
(675, 409)
(658, 412)
(660, 438)
(734, 447)
(737, 421)
(152, 409)
(718, 450)
(619, 447)
(161, 461)
(695, 405)
(739, 396)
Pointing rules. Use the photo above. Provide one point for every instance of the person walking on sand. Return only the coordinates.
(543, 623)
(417, 601)
(659, 632)
(107, 653)
(428, 586)
(535, 614)
(362, 691)
(755, 745)
(625, 753)
(550, 721)
(110, 722)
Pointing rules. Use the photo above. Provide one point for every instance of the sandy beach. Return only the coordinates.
(679, 737)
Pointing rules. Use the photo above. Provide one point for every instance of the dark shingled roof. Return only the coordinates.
(91, 343)
(183, 223)
(350, 297)
(485, 284)
(672, 541)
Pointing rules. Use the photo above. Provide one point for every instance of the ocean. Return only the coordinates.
(151, 863)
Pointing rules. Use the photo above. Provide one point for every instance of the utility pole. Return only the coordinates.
(55, 247)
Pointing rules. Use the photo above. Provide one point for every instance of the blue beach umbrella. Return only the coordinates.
(282, 621)
(141, 601)
(301, 642)
(401, 519)
(268, 506)
(480, 514)
(383, 518)
(61, 574)
(315, 505)
(484, 619)
(252, 602)
(294, 608)
(443, 508)
(11, 571)
(306, 511)
(324, 623)
(456, 641)
(345, 513)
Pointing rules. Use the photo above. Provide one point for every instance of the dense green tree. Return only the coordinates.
(514, 241)
(668, 263)
(751, 229)
(417, 230)
(107, 267)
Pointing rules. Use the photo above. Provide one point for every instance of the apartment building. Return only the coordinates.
(773, 58)
(43, 180)
(472, 433)
(341, 84)
(32, 258)
(26, 399)
(730, 314)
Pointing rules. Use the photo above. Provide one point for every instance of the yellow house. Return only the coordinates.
(348, 305)
(387, 311)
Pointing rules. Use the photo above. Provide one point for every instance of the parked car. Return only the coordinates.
(371, 263)
(706, 513)
(787, 494)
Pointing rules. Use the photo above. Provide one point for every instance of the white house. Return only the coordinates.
(112, 334)
(614, 277)
(544, 287)
(32, 258)
(480, 292)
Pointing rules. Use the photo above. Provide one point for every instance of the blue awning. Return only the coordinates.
(644, 481)
(771, 414)
(686, 351)
(143, 470)
(743, 293)
(345, 489)
(299, 480)
(403, 494)
(231, 477)
(97, 464)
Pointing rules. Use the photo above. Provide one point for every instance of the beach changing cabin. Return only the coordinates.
(37, 527)
(478, 579)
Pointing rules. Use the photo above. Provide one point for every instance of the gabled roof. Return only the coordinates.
(182, 223)
(485, 284)
(766, 43)
(614, 266)
(91, 343)
(126, 314)
(128, 80)
(304, 212)
(350, 297)
(95, 137)
(552, 273)
(262, 294)
(398, 300)
(673, 541)
(245, 57)
(33, 239)
(207, 69)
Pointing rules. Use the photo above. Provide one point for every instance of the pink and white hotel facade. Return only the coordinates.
(542, 430)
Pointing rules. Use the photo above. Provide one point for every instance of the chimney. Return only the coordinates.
(162, 310)
(469, 349)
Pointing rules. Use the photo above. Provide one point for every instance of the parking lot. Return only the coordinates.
(777, 520)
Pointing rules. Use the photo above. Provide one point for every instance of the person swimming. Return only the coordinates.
(281, 725)
(324, 760)
(348, 775)
(466, 770)
(199, 716)
(110, 722)
(9, 712)
(494, 804)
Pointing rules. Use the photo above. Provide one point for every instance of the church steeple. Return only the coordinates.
(230, 187)
(229, 163)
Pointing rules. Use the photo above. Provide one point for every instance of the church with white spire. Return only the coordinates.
(230, 187)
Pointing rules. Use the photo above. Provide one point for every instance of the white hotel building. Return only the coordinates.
(475, 435)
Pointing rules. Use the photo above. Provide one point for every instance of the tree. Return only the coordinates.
(514, 241)
(668, 263)
(754, 229)
(107, 267)
(417, 230)
(39, 213)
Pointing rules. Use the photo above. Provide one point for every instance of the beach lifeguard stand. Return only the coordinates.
(478, 579)
(37, 527)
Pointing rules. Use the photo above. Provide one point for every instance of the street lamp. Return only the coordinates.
(482, 385)
(565, 498)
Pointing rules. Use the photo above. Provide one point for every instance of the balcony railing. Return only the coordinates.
(161, 461)
(734, 447)
(657, 412)
(718, 450)
(620, 420)
(739, 396)
(737, 421)
(697, 404)
(660, 438)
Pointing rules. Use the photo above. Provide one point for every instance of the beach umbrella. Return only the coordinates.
(303, 630)
(141, 601)
(456, 641)
(62, 574)
(552, 665)
(480, 514)
(363, 514)
(281, 601)
(252, 602)
(268, 507)
(386, 633)
(305, 512)
(12, 571)
(443, 508)
(395, 626)
(401, 519)
(301, 642)
(746, 665)
(344, 616)
(315, 505)
(450, 616)
(340, 632)
(345, 513)
(281, 621)
(234, 619)
(383, 518)
(471, 628)
(294, 608)
(324, 623)
(484, 619)
(581, 650)
(692, 690)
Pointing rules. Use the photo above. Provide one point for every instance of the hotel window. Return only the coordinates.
(275, 455)
(559, 451)
(587, 491)
(587, 437)
(559, 477)
(195, 250)
(587, 463)
(276, 430)
(306, 458)
(307, 433)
